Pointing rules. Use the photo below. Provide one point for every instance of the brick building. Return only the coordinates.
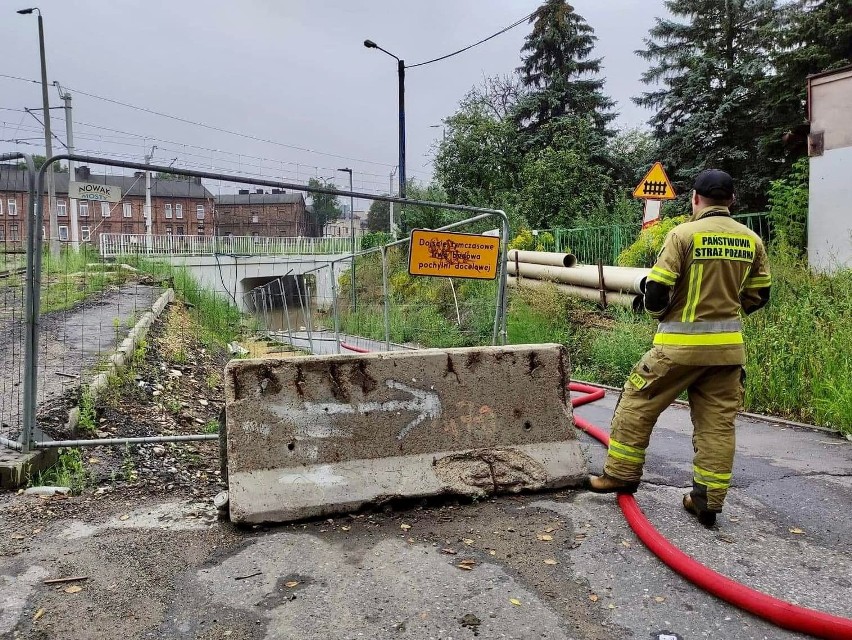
(343, 227)
(179, 207)
(264, 214)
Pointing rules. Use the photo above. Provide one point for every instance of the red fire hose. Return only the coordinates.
(778, 612)
(352, 347)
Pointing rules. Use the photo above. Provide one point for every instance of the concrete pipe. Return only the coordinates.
(624, 279)
(543, 257)
(629, 300)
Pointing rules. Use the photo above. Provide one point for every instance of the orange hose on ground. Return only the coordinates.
(779, 612)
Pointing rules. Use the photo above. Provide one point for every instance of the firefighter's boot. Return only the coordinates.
(607, 484)
(707, 518)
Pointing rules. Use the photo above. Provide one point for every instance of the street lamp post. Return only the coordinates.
(351, 233)
(400, 67)
(48, 146)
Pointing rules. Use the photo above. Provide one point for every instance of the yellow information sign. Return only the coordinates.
(453, 255)
(655, 185)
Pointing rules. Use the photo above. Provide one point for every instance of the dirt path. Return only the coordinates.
(71, 342)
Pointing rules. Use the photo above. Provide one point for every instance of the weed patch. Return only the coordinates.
(69, 471)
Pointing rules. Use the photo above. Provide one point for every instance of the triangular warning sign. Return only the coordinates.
(655, 185)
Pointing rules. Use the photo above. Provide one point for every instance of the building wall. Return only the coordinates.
(829, 219)
(126, 216)
(830, 189)
(830, 97)
(285, 219)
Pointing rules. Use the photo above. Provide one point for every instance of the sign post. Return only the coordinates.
(453, 255)
(90, 191)
(653, 189)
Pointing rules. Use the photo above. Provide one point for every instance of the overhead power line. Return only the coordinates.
(211, 127)
(475, 44)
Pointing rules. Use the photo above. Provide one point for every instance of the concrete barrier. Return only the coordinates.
(315, 435)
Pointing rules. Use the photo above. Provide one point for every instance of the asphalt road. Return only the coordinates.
(562, 565)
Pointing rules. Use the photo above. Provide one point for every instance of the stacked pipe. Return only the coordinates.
(604, 284)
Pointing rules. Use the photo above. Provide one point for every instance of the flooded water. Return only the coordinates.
(294, 320)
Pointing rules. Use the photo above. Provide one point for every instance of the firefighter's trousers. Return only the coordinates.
(715, 396)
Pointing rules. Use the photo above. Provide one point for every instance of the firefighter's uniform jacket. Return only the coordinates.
(712, 268)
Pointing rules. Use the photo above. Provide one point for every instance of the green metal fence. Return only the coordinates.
(757, 222)
(591, 244)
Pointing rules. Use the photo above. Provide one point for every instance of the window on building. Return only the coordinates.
(1, 207)
(85, 234)
(199, 212)
(63, 233)
(168, 231)
(2, 233)
(127, 228)
(61, 208)
(14, 234)
(128, 209)
(167, 209)
(84, 209)
(12, 208)
(254, 217)
(179, 211)
(105, 210)
(180, 231)
(256, 236)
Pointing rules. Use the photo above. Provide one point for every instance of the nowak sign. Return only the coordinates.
(89, 191)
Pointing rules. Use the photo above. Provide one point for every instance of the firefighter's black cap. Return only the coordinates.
(712, 183)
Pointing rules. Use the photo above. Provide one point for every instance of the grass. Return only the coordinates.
(69, 471)
(220, 322)
(68, 279)
(800, 347)
(422, 311)
(602, 346)
(213, 380)
(88, 417)
(211, 426)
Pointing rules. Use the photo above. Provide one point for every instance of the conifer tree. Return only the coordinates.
(557, 73)
(708, 66)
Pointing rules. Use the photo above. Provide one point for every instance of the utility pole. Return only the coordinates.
(48, 146)
(352, 233)
(390, 193)
(400, 65)
(65, 96)
(149, 236)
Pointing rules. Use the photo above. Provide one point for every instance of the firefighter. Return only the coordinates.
(710, 271)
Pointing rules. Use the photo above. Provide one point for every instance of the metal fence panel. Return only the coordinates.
(268, 293)
(15, 322)
(757, 222)
(593, 244)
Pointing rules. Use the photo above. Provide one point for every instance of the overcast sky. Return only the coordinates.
(292, 71)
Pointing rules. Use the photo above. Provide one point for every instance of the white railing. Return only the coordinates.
(117, 244)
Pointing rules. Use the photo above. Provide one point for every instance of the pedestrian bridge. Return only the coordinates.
(234, 266)
(113, 245)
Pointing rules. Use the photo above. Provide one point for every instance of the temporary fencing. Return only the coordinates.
(245, 266)
(16, 328)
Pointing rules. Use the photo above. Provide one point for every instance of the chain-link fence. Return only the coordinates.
(251, 275)
(16, 202)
